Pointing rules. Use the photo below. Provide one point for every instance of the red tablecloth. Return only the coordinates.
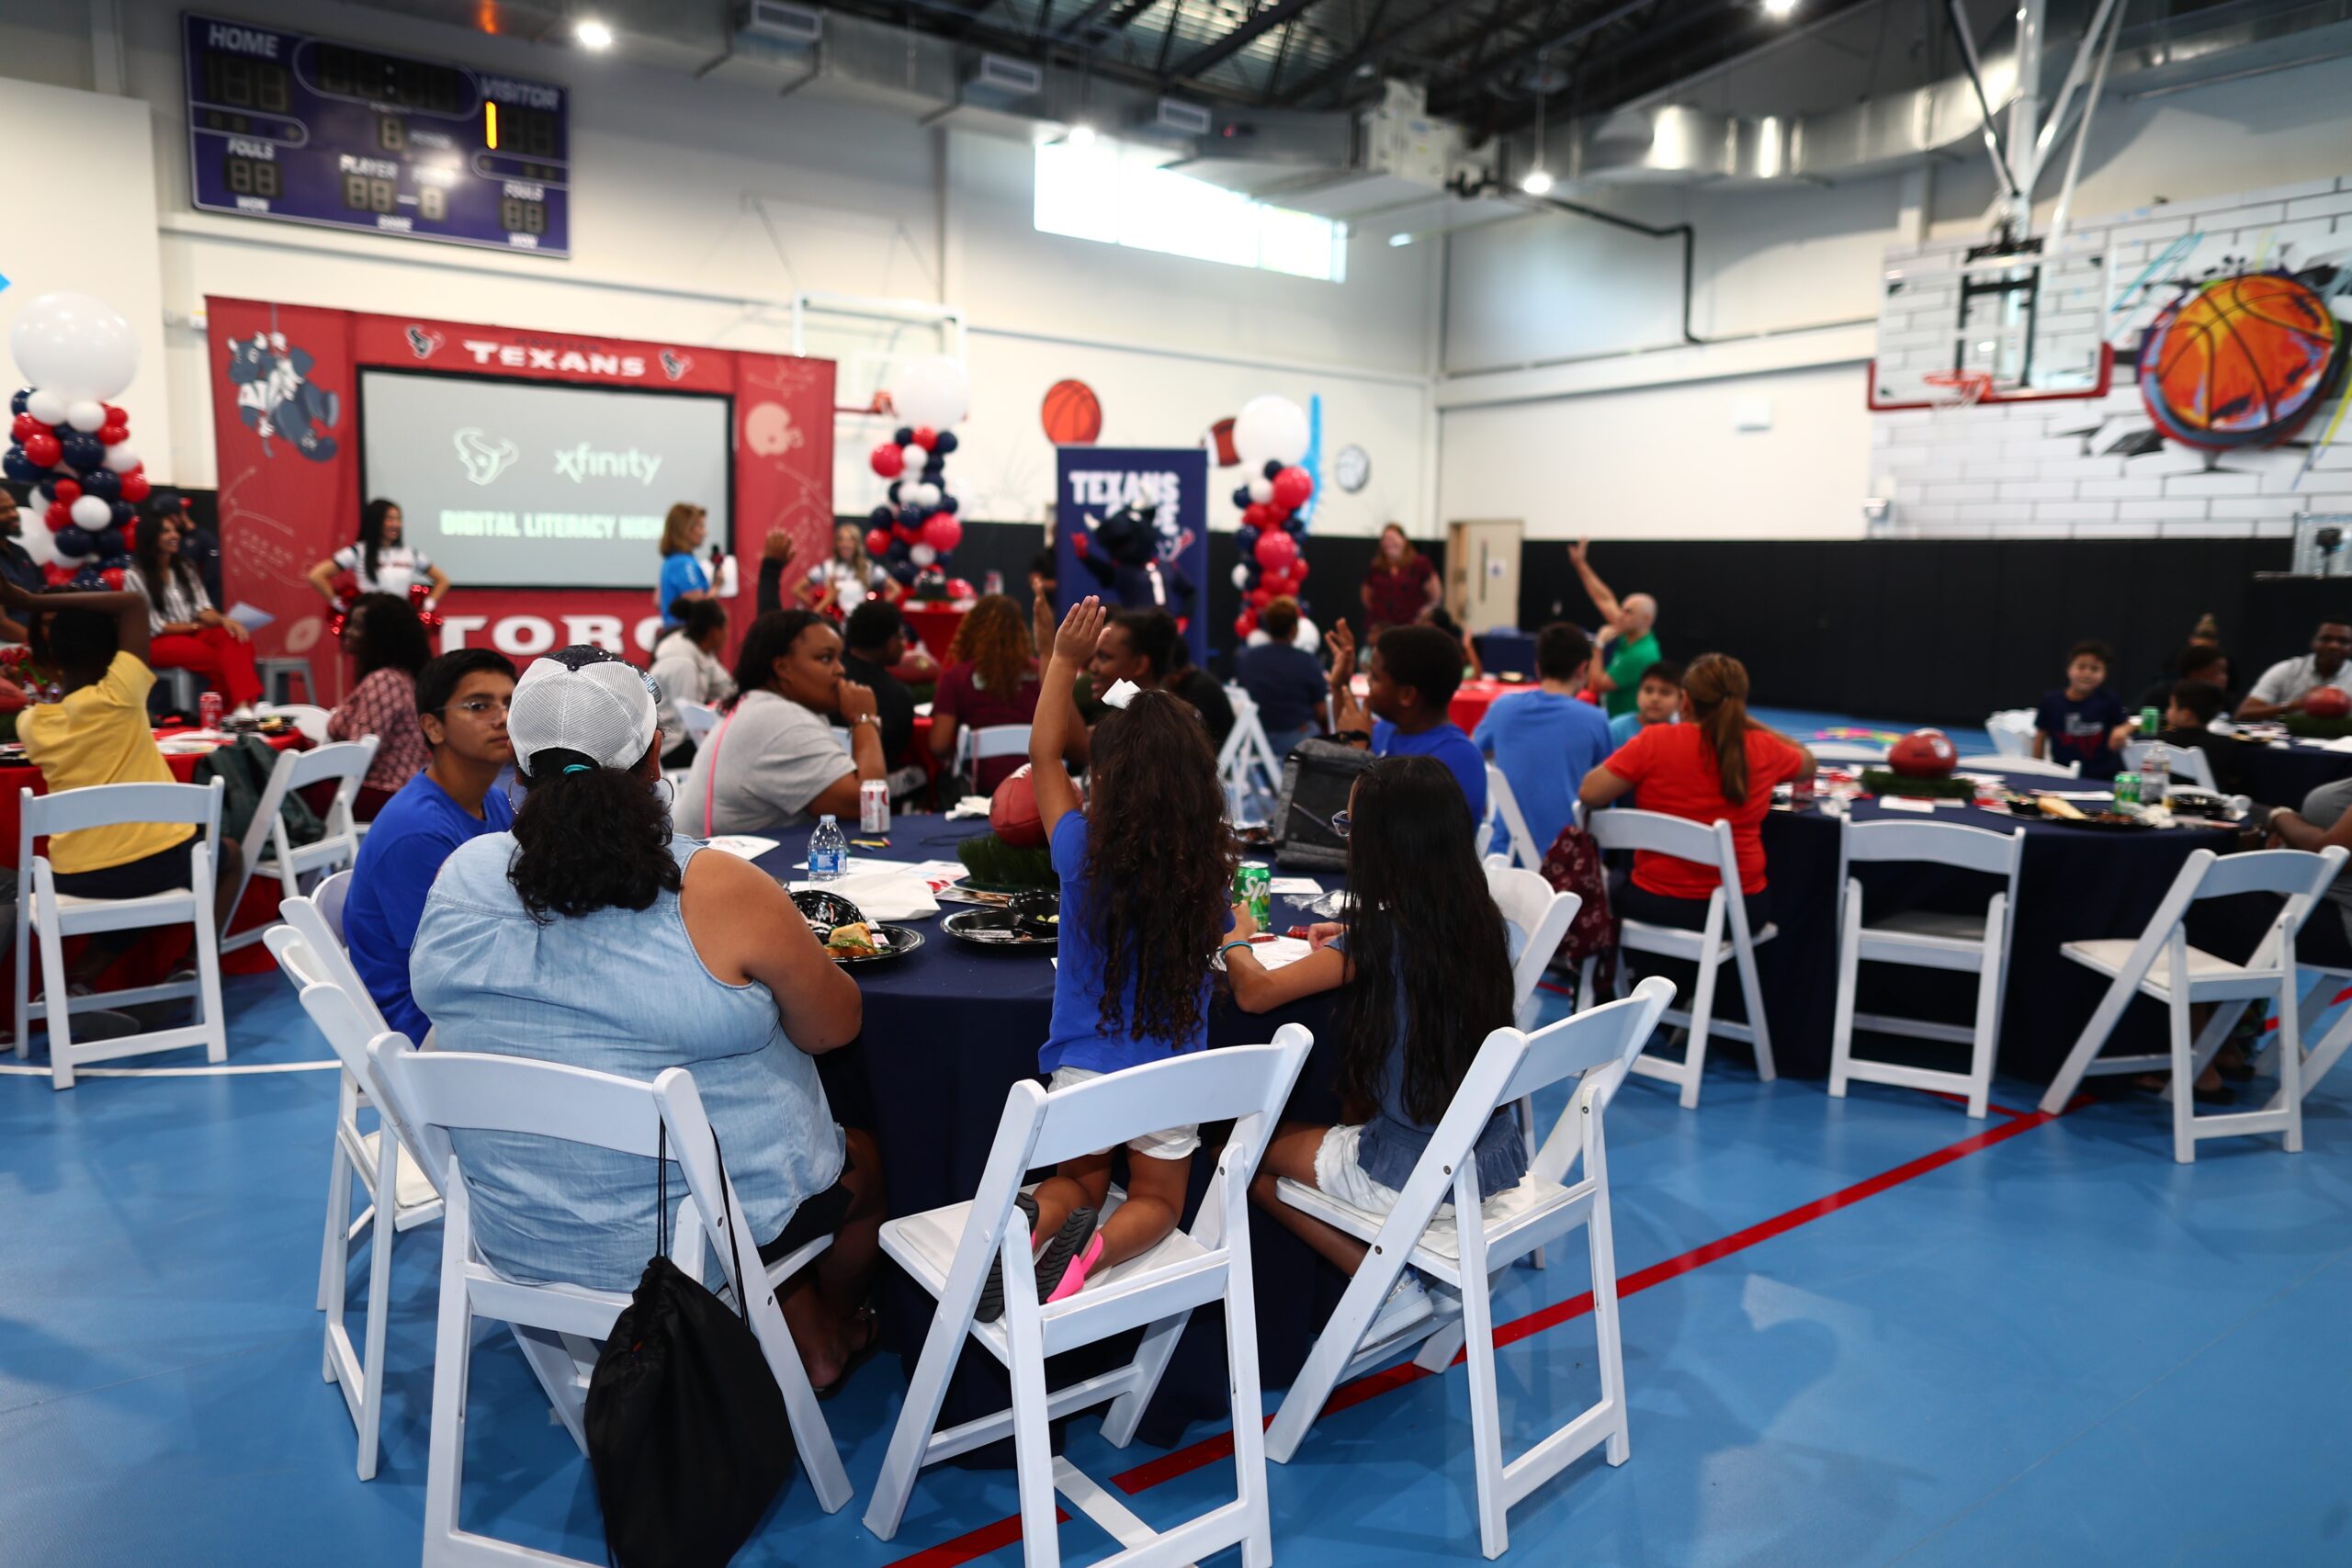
(1473, 698)
(933, 624)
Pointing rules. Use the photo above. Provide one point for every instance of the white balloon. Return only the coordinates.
(916, 456)
(92, 513)
(1241, 577)
(1269, 428)
(47, 407)
(87, 414)
(926, 494)
(922, 555)
(1262, 488)
(40, 543)
(74, 345)
(122, 456)
(933, 391)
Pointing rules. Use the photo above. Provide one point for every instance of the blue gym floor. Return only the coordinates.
(1860, 1332)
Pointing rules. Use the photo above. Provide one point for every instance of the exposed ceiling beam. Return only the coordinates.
(1339, 72)
(1480, 81)
(1267, 19)
(1072, 29)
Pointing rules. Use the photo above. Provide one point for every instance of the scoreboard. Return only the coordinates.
(285, 126)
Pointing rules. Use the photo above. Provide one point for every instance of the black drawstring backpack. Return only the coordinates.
(686, 1428)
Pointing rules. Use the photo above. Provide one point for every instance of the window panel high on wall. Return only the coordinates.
(1119, 194)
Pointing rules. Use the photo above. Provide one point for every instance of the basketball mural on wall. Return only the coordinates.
(2240, 361)
(1071, 414)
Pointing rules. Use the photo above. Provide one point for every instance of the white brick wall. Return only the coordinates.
(2041, 469)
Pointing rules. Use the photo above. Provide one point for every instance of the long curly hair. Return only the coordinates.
(384, 633)
(1424, 937)
(1159, 860)
(588, 837)
(994, 639)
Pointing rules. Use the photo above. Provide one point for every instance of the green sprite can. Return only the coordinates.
(1253, 884)
(2127, 790)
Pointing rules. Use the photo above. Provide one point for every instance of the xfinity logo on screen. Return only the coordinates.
(484, 459)
(585, 462)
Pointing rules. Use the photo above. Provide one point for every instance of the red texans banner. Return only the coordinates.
(287, 430)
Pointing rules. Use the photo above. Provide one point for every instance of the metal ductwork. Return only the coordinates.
(1673, 144)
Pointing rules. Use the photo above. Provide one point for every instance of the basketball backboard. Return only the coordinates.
(2022, 325)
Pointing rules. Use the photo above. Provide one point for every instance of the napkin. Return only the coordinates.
(1294, 888)
(882, 892)
(969, 806)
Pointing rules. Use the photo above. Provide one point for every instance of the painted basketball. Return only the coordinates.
(1071, 415)
(1923, 754)
(2328, 702)
(2240, 361)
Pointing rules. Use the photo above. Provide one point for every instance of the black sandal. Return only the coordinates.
(1054, 1262)
(991, 1305)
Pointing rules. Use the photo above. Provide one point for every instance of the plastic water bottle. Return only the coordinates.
(827, 851)
(2155, 776)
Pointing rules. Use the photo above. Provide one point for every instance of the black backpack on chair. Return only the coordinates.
(686, 1428)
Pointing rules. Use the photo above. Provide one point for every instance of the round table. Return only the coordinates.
(2075, 884)
(18, 775)
(2284, 771)
(933, 624)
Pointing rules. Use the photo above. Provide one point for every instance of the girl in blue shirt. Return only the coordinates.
(683, 577)
(1146, 873)
(1424, 975)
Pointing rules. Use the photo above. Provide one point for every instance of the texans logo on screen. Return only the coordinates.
(276, 398)
(484, 459)
(423, 342)
(674, 365)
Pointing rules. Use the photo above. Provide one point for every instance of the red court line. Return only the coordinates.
(2272, 1021)
(1210, 1451)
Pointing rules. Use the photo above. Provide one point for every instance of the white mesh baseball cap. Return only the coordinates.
(585, 700)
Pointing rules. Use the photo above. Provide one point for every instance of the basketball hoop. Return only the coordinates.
(1957, 389)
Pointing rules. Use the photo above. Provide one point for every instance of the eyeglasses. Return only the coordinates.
(476, 707)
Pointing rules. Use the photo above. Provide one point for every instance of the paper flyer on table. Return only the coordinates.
(743, 846)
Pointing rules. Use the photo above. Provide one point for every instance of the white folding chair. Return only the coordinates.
(400, 1196)
(309, 719)
(1725, 935)
(42, 912)
(2187, 763)
(433, 1092)
(974, 747)
(1926, 940)
(2012, 731)
(698, 719)
(1542, 915)
(2163, 965)
(1847, 751)
(2020, 764)
(268, 852)
(327, 898)
(1502, 807)
(2325, 1049)
(1247, 759)
(1600, 1044)
(949, 1250)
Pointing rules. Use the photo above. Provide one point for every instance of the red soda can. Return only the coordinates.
(208, 710)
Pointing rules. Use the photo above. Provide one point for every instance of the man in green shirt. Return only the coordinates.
(1627, 646)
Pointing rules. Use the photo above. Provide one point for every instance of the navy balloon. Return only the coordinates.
(943, 444)
(111, 542)
(913, 516)
(75, 543)
(17, 404)
(903, 436)
(82, 450)
(21, 469)
(88, 578)
(102, 482)
(883, 516)
(1241, 496)
(123, 512)
(949, 504)
(117, 563)
(905, 572)
(1273, 466)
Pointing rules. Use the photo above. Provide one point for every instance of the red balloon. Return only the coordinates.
(1245, 624)
(1257, 515)
(942, 533)
(58, 574)
(59, 516)
(112, 577)
(924, 437)
(961, 588)
(67, 491)
(1292, 487)
(888, 461)
(113, 435)
(1278, 583)
(116, 416)
(135, 487)
(1262, 596)
(1298, 569)
(41, 449)
(25, 426)
(877, 543)
(1276, 550)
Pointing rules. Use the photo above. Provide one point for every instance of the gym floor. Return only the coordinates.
(1866, 1331)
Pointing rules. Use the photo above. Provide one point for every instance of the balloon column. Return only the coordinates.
(917, 530)
(70, 442)
(1270, 435)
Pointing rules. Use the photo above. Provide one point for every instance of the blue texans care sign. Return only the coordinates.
(1131, 525)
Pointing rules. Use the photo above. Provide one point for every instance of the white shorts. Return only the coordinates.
(1172, 1143)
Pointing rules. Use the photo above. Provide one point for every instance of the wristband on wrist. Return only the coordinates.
(1230, 946)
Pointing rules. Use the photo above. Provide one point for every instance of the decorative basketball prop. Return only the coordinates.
(2328, 702)
(1013, 812)
(2240, 361)
(1923, 754)
(1071, 414)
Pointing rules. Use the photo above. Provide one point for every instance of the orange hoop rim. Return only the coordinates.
(1960, 386)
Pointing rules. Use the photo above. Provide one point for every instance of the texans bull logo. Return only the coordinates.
(484, 459)
(674, 365)
(423, 343)
(276, 398)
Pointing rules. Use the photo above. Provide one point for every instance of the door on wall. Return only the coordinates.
(1482, 573)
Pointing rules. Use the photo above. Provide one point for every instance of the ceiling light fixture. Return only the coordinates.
(592, 34)
(1401, 240)
(1537, 181)
(1081, 135)
(1780, 10)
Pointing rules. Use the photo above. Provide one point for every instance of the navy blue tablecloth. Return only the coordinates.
(2283, 775)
